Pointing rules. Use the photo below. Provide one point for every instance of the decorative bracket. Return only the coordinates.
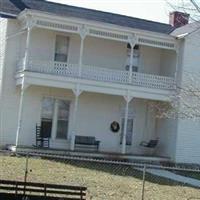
(127, 97)
(77, 91)
(133, 40)
(83, 31)
(30, 22)
(24, 85)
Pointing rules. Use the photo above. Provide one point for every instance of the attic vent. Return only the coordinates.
(57, 26)
(105, 34)
(156, 43)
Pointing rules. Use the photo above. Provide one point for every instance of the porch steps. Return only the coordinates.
(94, 156)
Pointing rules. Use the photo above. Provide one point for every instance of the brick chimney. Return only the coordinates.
(178, 19)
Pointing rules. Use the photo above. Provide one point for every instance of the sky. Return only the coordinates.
(156, 10)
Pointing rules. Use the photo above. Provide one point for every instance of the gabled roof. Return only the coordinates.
(185, 30)
(8, 8)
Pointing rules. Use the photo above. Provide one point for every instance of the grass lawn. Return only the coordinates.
(104, 181)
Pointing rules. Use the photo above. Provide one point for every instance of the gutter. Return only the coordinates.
(182, 35)
(7, 15)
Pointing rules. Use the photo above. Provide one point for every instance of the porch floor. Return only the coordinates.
(94, 155)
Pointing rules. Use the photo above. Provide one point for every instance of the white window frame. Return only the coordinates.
(55, 117)
(136, 54)
(68, 52)
(122, 130)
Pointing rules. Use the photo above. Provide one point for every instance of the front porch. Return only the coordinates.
(65, 115)
(63, 154)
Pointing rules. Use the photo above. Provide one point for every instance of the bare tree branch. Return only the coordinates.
(191, 7)
(184, 102)
(195, 5)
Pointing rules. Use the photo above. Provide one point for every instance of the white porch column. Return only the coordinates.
(128, 99)
(132, 41)
(55, 120)
(131, 64)
(26, 56)
(77, 93)
(83, 34)
(20, 112)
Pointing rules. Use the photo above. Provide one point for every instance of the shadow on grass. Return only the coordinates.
(195, 175)
(120, 170)
(114, 170)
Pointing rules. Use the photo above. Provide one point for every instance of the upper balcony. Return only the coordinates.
(97, 60)
(99, 74)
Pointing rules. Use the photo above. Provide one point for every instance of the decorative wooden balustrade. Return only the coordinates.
(99, 74)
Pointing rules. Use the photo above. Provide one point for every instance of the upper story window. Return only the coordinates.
(136, 55)
(62, 47)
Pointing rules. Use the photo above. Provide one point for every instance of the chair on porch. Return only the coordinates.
(40, 140)
(151, 144)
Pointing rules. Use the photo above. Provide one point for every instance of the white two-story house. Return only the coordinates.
(80, 72)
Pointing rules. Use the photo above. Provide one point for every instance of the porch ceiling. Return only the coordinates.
(47, 80)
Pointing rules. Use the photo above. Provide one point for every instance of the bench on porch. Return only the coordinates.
(86, 142)
(150, 144)
(17, 190)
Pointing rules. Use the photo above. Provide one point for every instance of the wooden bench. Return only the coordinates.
(10, 190)
(150, 144)
(86, 142)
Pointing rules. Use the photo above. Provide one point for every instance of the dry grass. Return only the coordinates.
(104, 182)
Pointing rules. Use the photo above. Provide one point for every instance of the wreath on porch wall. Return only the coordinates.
(114, 127)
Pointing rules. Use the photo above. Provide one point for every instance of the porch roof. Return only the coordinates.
(11, 8)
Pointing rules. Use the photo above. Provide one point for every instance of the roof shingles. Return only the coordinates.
(16, 6)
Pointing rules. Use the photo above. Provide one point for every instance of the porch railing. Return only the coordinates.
(99, 74)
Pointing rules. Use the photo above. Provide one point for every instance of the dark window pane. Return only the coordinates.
(46, 126)
(60, 57)
(134, 68)
(61, 51)
(47, 108)
(47, 117)
(136, 47)
(63, 119)
(62, 129)
(128, 46)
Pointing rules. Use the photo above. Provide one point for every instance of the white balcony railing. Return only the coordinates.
(100, 74)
